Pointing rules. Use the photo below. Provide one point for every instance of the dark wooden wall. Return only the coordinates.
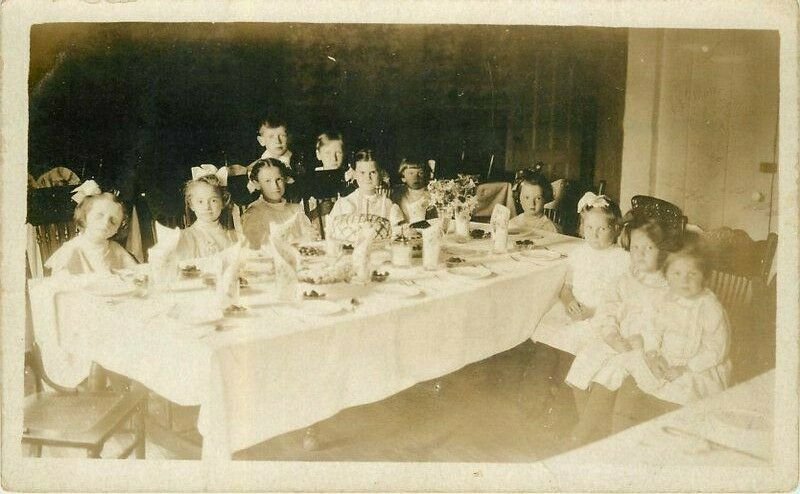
(135, 105)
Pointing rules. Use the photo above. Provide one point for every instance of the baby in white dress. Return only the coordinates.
(690, 361)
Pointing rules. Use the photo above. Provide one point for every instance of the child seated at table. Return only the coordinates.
(273, 135)
(621, 328)
(690, 359)
(272, 207)
(207, 203)
(370, 196)
(330, 150)
(412, 195)
(594, 269)
(531, 192)
(98, 216)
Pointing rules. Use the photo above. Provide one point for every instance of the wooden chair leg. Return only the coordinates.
(94, 452)
(140, 431)
(36, 450)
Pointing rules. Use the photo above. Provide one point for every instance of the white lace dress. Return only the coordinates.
(202, 240)
(627, 311)
(593, 273)
(258, 217)
(693, 333)
(79, 256)
(528, 221)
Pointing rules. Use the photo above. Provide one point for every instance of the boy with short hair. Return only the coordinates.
(273, 135)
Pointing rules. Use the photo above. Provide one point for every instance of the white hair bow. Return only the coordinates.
(592, 200)
(349, 175)
(211, 170)
(84, 190)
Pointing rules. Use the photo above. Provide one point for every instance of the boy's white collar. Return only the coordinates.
(285, 158)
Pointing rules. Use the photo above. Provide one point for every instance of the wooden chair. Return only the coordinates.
(489, 194)
(740, 279)
(67, 417)
(557, 217)
(667, 213)
(740, 265)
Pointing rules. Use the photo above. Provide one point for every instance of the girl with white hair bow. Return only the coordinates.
(594, 269)
(99, 216)
(208, 209)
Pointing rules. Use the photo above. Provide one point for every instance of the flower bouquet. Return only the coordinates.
(454, 198)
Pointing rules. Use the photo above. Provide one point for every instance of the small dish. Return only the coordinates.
(379, 276)
(235, 310)
(454, 261)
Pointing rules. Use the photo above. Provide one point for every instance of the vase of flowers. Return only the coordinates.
(454, 199)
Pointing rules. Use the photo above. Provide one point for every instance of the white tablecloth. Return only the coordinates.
(280, 368)
(740, 418)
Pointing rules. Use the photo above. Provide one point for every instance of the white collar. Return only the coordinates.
(285, 158)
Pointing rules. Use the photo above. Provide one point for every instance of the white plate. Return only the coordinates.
(110, 287)
(399, 291)
(476, 272)
(320, 307)
(541, 254)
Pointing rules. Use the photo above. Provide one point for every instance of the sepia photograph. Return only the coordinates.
(433, 253)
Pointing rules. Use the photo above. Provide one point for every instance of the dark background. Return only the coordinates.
(136, 105)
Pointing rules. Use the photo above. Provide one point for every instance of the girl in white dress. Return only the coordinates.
(272, 207)
(594, 270)
(370, 197)
(98, 215)
(206, 201)
(622, 329)
(690, 361)
(531, 193)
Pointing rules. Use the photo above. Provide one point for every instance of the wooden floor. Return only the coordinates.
(504, 409)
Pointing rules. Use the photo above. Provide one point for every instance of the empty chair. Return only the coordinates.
(59, 176)
(492, 193)
(740, 279)
(667, 213)
(67, 417)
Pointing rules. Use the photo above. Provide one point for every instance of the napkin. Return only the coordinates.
(285, 258)
(366, 234)
(160, 257)
(431, 245)
(499, 222)
(229, 261)
(167, 238)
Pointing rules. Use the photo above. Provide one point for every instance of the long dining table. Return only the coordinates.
(277, 366)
